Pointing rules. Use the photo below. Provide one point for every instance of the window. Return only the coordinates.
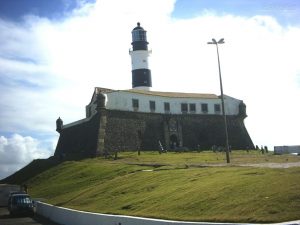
(139, 35)
(184, 107)
(192, 107)
(217, 108)
(204, 108)
(135, 104)
(152, 106)
(142, 35)
(167, 107)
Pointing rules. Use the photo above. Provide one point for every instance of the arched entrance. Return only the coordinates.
(174, 141)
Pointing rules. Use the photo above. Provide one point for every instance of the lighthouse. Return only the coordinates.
(141, 74)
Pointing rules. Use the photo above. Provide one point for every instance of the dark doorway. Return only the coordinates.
(174, 141)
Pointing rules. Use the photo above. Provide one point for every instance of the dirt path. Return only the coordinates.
(258, 165)
(273, 165)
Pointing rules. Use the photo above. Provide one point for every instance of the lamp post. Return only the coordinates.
(214, 42)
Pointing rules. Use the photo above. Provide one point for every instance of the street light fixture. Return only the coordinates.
(214, 42)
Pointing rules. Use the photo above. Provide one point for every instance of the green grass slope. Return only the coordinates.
(180, 186)
(34, 168)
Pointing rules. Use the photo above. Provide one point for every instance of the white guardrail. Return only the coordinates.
(66, 216)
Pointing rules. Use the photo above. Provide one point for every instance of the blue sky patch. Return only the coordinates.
(15, 10)
(286, 12)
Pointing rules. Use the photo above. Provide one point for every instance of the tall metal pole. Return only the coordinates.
(222, 98)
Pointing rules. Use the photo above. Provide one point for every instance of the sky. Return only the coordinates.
(53, 54)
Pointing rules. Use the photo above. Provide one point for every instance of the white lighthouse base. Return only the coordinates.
(144, 88)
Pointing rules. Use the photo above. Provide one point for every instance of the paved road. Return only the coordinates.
(5, 219)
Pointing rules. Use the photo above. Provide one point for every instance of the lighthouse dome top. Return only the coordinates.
(138, 27)
(139, 38)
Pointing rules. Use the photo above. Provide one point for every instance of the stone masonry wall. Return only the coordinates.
(133, 131)
(79, 139)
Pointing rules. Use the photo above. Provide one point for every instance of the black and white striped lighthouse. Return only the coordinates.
(141, 74)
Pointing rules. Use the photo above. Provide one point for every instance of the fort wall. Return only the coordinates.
(112, 130)
(80, 138)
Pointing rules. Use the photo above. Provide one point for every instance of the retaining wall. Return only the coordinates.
(66, 216)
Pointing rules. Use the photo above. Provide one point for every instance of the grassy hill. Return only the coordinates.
(182, 186)
(34, 168)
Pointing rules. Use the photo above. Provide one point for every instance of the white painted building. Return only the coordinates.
(163, 102)
(292, 149)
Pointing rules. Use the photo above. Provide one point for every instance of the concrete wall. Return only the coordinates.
(287, 149)
(73, 217)
(5, 190)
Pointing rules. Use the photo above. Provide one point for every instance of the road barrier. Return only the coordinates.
(66, 216)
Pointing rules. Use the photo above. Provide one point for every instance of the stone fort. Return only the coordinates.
(141, 119)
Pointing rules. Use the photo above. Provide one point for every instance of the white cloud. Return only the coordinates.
(17, 151)
(49, 68)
